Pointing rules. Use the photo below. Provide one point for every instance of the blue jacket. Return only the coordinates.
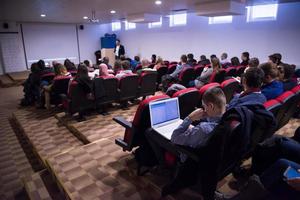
(272, 90)
(252, 98)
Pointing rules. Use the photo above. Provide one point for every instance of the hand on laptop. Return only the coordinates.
(197, 114)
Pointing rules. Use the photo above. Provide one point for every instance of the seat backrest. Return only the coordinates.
(231, 71)
(205, 88)
(141, 122)
(230, 87)
(151, 65)
(240, 70)
(163, 70)
(173, 63)
(138, 67)
(217, 76)
(171, 68)
(147, 84)
(48, 77)
(73, 72)
(106, 89)
(128, 86)
(188, 100)
(288, 100)
(167, 63)
(60, 85)
(186, 75)
(198, 70)
(273, 106)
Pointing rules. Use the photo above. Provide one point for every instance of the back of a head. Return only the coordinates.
(224, 55)
(202, 57)
(35, 68)
(87, 63)
(254, 77)
(215, 96)
(122, 57)
(235, 61)
(190, 56)
(212, 56)
(253, 62)
(153, 56)
(145, 62)
(275, 58)
(215, 62)
(159, 60)
(105, 60)
(183, 58)
(137, 58)
(289, 71)
(246, 55)
(125, 64)
(41, 64)
(82, 70)
(269, 70)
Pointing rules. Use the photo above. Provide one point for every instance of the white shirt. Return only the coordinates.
(117, 50)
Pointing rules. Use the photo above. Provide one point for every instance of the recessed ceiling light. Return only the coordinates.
(85, 17)
(112, 11)
(43, 15)
(158, 2)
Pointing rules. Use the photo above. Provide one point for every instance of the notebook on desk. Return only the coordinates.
(165, 116)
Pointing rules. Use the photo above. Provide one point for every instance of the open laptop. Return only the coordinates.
(165, 116)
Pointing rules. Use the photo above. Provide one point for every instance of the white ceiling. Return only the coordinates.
(72, 11)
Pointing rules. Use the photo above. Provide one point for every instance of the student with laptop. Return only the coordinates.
(181, 132)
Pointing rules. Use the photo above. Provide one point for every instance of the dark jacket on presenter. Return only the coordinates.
(119, 49)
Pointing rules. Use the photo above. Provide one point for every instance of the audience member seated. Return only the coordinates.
(32, 86)
(145, 67)
(245, 58)
(180, 67)
(253, 62)
(117, 66)
(159, 63)
(89, 65)
(269, 164)
(190, 59)
(69, 65)
(224, 60)
(105, 60)
(272, 88)
(174, 88)
(83, 80)
(122, 58)
(153, 58)
(104, 71)
(235, 62)
(287, 78)
(60, 71)
(275, 59)
(252, 82)
(203, 60)
(135, 62)
(207, 72)
(213, 102)
(126, 69)
(43, 69)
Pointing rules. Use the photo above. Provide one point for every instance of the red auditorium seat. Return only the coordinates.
(173, 63)
(188, 100)
(138, 67)
(198, 70)
(217, 76)
(273, 106)
(230, 87)
(167, 63)
(289, 104)
(134, 133)
(47, 77)
(105, 90)
(205, 88)
(231, 71)
(77, 101)
(163, 70)
(151, 65)
(60, 86)
(128, 87)
(186, 75)
(240, 70)
(147, 84)
(171, 68)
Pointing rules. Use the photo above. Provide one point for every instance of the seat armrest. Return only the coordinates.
(122, 143)
(123, 122)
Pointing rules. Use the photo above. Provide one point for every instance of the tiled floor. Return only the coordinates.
(98, 170)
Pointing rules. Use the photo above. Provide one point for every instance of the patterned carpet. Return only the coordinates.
(97, 170)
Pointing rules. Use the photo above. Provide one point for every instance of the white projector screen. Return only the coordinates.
(50, 42)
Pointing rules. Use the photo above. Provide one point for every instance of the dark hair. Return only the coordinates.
(215, 96)
(41, 64)
(225, 55)
(190, 56)
(289, 71)
(122, 57)
(117, 66)
(125, 64)
(137, 58)
(34, 68)
(253, 62)
(87, 63)
(246, 54)
(269, 70)
(153, 56)
(105, 60)
(118, 40)
(275, 58)
(235, 61)
(213, 56)
(82, 70)
(183, 58)
(254, 77)
(202, 57)
(69, 65)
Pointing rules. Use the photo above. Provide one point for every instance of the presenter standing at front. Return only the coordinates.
(119, 49)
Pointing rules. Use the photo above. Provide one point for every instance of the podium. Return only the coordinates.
(110, 54)
(108, 43)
